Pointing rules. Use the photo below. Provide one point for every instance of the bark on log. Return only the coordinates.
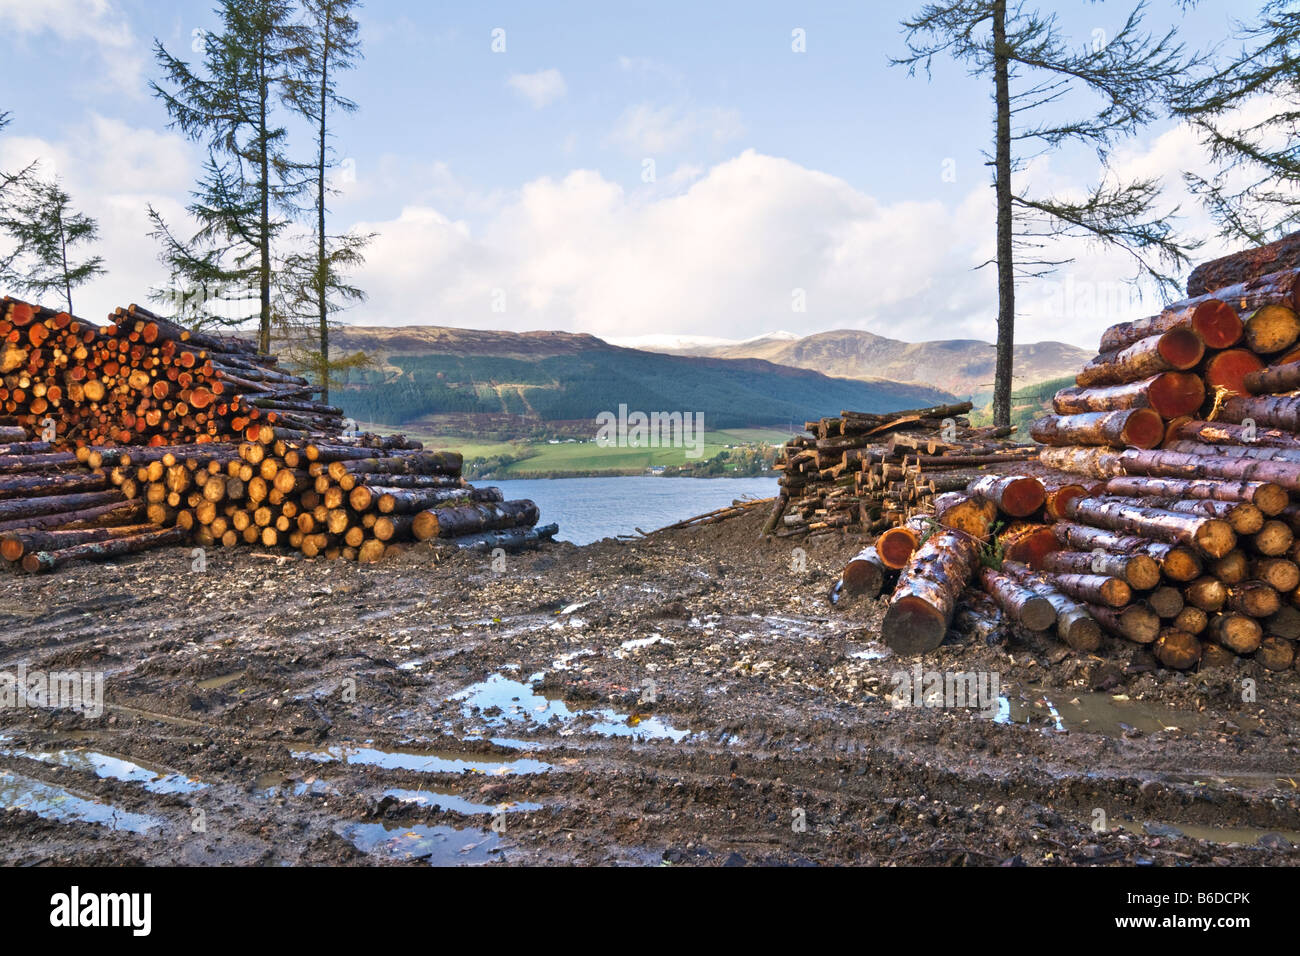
(1285, 623)
(1021, 603)
(924, 601)
(1140, 571)
(131, 544)
(1139, 427)
(1282, 286)
(1269, 498)
(1099, 463)
(1209, 535)
(23, 508)
(1074, 625)
(1093, 588)
(1177, 562)
(15, 544)
(1169, 394)
(1177, 350)
(449, 522)
(1274, 379)
(1015, 495)
(511, 541)
(1247, 264)
(1214, 321)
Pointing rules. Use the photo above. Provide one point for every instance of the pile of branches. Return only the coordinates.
(1162, 510)
(866, 472)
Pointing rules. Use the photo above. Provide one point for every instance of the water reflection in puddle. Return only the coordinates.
(1098, 713)
(152, 778)
(451, 801)
(422, 761)
(55, 803)
(436, 845)
(500, 700)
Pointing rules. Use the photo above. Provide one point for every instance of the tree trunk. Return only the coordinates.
(1002, 186)
(1074, 625)
(864, 575)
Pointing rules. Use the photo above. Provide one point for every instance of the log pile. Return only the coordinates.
(143, 380)
(867, 472)
(1170, 477)
(153, 435)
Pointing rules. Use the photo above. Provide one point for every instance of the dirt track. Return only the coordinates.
(286, 710)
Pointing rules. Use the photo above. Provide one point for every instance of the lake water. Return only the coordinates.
(588, 509)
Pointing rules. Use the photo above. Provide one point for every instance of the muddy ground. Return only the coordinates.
(687, 699)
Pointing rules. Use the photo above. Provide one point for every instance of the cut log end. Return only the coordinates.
(912, 626)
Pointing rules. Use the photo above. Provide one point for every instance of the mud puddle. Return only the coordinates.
(443, 800)
(435, 845)
(1244, 836)
(422, 761)
(153, 778)
(499, 701)
(1111, 715)
(54, 803)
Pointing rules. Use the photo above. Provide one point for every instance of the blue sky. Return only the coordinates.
(520, 175)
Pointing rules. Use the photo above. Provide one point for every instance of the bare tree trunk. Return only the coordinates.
(264, 272)
(1002, 181)
(322, 283)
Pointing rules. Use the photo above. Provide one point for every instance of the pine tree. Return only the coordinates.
(1253, 194)
(44, 227)
(317, 288)
(246, 194)
(1032, 68)
(11, 185)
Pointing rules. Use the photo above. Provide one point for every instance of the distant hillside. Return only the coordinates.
(963, 367)
(1027, 404)
(427, 372)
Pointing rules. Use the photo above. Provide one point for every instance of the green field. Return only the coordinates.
(585, 457)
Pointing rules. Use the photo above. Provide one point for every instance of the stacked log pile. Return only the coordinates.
(54, 509)
(867, 472)
(144, 380)
(156, 435)
(1168, 480)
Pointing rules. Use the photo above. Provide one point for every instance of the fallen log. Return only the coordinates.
(14, 544)
(1275, 653)
(511, 541)
(1237, 632)
(1137, 622)
(865, 574)
(1177, 649)
(1177, 562)
(1093, 588)
(1228, 371)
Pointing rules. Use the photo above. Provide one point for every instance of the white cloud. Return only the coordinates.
(95, 23)
(646, 129)
(541, 88)
(113, 172)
